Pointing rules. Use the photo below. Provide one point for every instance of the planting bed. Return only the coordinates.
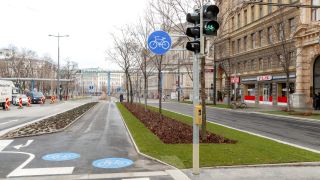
(52, 124)
(169, 130)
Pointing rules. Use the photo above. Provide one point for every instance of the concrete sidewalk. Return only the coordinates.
(307, 171)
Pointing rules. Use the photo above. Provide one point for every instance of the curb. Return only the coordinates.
(43, 118)
(304, 164)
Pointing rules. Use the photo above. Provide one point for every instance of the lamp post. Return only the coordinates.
(58, 73)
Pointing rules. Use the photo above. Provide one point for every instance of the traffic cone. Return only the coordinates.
(20, 103)
(7, 105)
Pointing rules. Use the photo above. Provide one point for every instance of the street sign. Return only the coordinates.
(159, 42)
(235, 79)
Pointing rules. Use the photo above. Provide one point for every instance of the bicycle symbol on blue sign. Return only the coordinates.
(159, 42)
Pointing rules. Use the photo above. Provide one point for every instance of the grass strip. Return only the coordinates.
(249, 149)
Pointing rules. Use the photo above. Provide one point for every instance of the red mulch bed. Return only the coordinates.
(169, 130)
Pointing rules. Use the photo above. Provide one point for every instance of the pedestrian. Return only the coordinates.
(318, 101)
(121, 97)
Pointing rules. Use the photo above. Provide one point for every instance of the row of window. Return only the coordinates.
(261, 64)
(256, 38)
(315, 13)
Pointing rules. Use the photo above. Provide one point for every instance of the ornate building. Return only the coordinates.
(259, 47)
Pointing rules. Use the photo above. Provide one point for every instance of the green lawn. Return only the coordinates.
(249, 149)
(313, 116)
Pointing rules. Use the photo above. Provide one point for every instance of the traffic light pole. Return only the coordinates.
(195, 147)
(196, 79)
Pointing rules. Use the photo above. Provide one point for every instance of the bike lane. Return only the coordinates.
(97, 143)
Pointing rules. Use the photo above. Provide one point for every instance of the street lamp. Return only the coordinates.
(58, 74)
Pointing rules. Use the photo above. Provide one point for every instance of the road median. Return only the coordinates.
(249, 149)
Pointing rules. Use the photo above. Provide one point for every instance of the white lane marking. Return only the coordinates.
(42, 171)
(19, 171)
(4, 144)
(23, 145)
(89, 127)
(137, 179)
(177, 174)
(259, 135)
(8, 122)
(124, 175)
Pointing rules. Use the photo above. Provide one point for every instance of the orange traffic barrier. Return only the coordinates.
(20, 103)
(7, 105)
(42, 100)
(52, 100)
(29, 101)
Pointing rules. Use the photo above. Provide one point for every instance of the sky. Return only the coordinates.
(27, 24)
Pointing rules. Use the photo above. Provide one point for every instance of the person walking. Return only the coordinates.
(318, 101)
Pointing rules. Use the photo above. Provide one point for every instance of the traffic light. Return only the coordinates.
(210, 23)
(211, 86)
(194, 32)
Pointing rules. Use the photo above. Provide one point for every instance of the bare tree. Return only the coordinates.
(122, 54)
(140, 34)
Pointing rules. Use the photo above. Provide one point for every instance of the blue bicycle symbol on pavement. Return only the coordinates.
(159, 42)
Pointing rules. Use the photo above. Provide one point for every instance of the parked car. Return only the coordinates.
(36, 97)
(16, 98)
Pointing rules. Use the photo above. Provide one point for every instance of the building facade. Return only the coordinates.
(259, 47)
(95, 80)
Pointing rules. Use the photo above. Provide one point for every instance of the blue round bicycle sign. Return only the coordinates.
(63, 156)
(159, 42)
(112, 163)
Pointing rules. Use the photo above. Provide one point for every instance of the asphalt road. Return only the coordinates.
(99, 134)
(300, 132)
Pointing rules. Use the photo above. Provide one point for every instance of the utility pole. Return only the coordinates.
(214, 76)
(58, 73)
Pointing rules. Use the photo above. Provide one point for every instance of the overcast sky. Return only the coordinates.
(27, 24)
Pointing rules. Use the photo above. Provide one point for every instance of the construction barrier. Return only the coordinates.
(52, 100)
(20, 103)
(29, 101)
(42, 100)
(7, 105)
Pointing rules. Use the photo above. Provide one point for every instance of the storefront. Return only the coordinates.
(267, 89)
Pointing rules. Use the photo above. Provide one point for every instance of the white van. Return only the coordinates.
(7, 89)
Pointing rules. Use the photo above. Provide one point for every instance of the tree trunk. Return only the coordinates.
(145, 93)
(203, 99)
(131, 92)
(127, 86)
(228, 88)
(287, 91)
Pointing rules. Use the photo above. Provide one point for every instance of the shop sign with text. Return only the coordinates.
(235, 80)
(264, 78)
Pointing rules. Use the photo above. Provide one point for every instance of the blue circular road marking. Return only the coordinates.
(63, 156)
(112, 163)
